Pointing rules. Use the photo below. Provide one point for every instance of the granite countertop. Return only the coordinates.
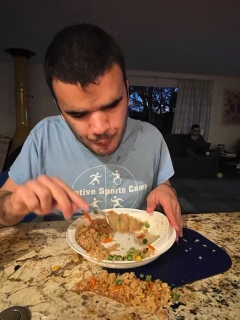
(38, 270)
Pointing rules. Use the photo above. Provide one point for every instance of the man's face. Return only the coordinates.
(196, 131)
(98, 113)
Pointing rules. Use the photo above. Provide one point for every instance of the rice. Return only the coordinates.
(151, 296)
(91, 240)
(123, 222)
(91, 237)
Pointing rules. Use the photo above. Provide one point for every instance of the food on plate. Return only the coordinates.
(101, 226)
(97, 237)
(152, 296)
(133, 255)
(92, 237)
(124, 222)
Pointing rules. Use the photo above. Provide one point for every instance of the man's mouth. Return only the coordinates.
(103, 143)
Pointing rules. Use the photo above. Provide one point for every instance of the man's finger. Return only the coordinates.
(75, 198)
(59, 195)
(179, 215)
(151, 204)
(172, 217)
(44, 195)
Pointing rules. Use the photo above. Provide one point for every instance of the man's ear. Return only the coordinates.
(55, 100)
(127, 87)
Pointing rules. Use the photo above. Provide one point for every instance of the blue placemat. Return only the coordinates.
(193, 258)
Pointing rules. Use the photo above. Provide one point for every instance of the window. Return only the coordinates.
(155, 105)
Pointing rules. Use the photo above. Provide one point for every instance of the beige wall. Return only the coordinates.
(219, 133)
(42, 104)
(7, 111)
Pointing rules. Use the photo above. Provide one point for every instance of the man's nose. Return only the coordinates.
(99, 123)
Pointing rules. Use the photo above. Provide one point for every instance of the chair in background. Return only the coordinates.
(186, 167)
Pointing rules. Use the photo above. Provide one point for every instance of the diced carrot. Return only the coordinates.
(107, 240)
(141, 236)
(87, 216)
(151, 247)
(93, 282)
(118, 287)
(150, 285)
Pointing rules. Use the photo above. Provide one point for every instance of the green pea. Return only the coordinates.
(119, 282)
(119, 258)
(176, 296)
(110, 257)
(147, 225)
(129, 257)
(131, 250)
(145, 241)
(148, 277)
(141, 275)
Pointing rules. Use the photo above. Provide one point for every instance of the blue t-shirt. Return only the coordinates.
(123, 179)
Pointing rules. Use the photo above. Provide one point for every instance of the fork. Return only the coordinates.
(97, 211)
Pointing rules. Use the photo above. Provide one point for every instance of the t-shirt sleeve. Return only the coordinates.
(26, 166)
(165, 168)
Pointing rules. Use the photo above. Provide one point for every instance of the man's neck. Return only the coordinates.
(195, 138)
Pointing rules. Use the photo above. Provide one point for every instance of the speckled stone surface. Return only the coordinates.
(38, 269)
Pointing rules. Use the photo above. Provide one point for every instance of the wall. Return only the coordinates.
(42, 104)
(218, 133)
(7, 109)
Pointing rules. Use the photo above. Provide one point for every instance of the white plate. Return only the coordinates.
(135, 264)
(159, 226)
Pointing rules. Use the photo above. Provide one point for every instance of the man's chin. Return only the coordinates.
(103, 152)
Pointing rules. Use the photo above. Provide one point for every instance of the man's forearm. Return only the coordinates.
(7, 216)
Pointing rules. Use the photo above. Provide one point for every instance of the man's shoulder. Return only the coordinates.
(145, 128)
(50, 127)
(48, 122)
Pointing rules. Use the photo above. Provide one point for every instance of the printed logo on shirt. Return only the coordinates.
(108, 186)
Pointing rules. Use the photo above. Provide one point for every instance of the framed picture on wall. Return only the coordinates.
(231, 107)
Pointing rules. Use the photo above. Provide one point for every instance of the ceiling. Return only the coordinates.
(182, 36)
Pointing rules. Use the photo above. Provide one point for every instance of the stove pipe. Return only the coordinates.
(20, 58)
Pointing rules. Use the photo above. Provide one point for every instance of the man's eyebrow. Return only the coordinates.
(108, 106)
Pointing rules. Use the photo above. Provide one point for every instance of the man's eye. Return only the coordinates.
(113, 106)
(78, 115)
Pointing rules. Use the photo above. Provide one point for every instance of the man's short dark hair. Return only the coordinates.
(195, 126)
(81, 54)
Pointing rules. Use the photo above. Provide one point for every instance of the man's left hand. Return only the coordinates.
(165, 196)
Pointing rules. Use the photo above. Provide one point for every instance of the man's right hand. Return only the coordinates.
(41, 196)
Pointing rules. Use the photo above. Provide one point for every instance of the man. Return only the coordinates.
(197, 146)
(93, 153)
